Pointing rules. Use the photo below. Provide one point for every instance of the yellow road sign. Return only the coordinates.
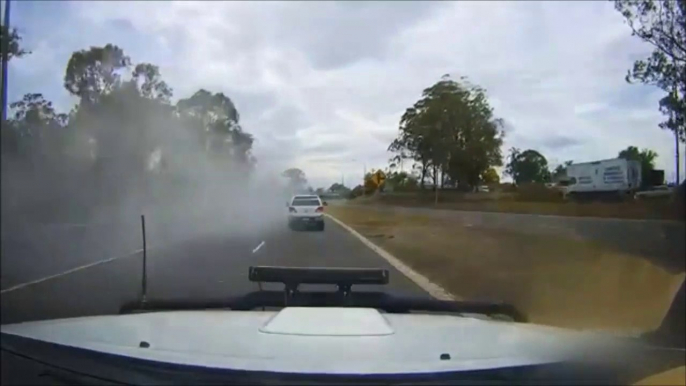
(379, 177)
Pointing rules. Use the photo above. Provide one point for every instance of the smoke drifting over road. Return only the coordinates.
(75, 194)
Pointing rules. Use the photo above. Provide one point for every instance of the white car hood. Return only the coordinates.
(315, 340)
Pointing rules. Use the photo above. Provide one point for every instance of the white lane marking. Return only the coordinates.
(258, 247)
(23, 285)
(433, 289)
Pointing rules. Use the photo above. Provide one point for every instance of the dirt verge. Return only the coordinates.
(554, 280)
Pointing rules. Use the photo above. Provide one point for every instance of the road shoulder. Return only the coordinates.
(432, 289)
(555, 280)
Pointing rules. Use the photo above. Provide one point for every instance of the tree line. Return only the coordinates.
(450, 135)
(124, 137)
(662, 24)
(453, 138)
(530, 166)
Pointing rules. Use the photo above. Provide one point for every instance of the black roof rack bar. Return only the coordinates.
(293, 276)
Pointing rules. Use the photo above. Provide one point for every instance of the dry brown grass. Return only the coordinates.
(534, 203)
(554, 280)
(675, 376)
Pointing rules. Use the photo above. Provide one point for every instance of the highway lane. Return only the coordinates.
(32, 251)
(211, 266)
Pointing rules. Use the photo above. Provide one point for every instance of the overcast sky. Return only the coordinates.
(322, 85)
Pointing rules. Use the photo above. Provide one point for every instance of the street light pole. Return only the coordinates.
(364, 175)
(5, 58)
(676, 136)
(678, 164)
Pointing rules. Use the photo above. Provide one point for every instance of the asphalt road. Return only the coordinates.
(210, 266)
(661, 242)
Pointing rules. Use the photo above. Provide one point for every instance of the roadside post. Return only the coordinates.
(144, 283)
(5, 59)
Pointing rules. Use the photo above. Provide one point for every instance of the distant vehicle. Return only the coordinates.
(307, 211)
(656, 178)
(615, 177)
(483, 189)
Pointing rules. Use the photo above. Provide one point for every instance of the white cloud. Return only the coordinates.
(322, 83)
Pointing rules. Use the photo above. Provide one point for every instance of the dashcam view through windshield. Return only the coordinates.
(309, 170)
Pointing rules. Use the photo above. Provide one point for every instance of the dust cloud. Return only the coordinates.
(79, 199)
(188, 194)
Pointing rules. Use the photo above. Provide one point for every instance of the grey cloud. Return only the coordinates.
(327, 159)
(329, 34)
(560, 141)
(276, 152)
(361, 30)
(283, 121)
(276, 133)
(332, 149)
(508, 127)
(250, 105)
(549, 143)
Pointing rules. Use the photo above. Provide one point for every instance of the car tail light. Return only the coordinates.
(320, 209)
(291, 209)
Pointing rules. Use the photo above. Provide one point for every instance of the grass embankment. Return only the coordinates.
(528, 203)
(553, 280)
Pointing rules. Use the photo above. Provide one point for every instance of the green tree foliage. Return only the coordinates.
(451, 134)
(401, 181)
(216, 122)
(356, 192)
(661, 23)
(150, 84)
(296, 179)
(646, 157)
(12, 40)
(339, 188)
(94, 72)
(527, 166)
(34, 128)
(490, 176)
(560, 171)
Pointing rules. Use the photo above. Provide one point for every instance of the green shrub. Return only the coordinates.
(538, 193)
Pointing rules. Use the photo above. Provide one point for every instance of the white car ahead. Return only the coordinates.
(306, 210)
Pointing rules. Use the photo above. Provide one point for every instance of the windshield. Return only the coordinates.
(510, 154)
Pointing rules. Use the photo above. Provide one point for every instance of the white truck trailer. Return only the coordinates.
(615, 177)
